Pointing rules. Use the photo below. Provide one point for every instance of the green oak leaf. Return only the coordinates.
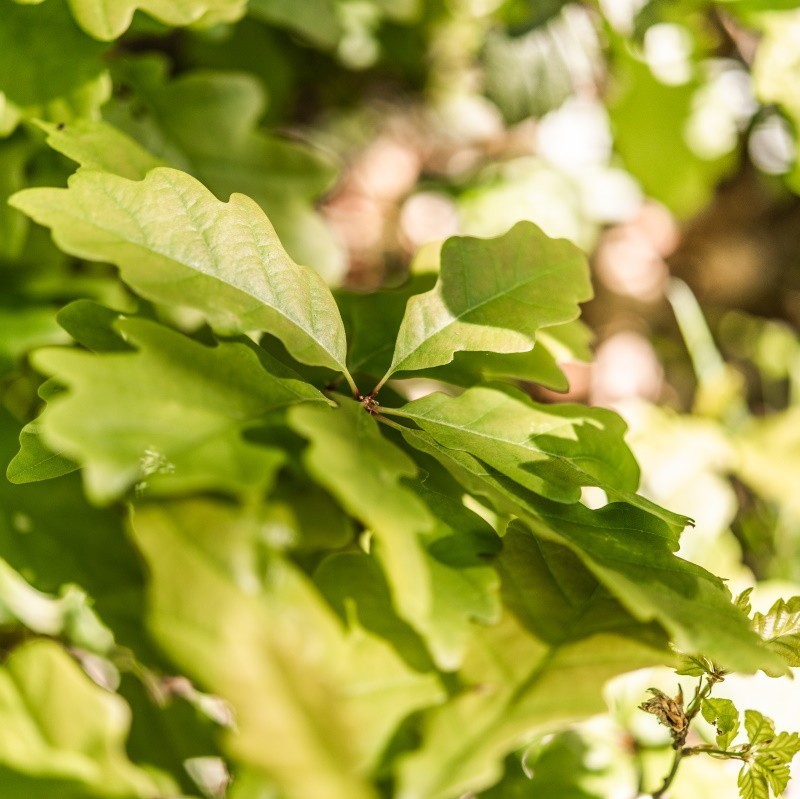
(206, 123)
(553, 450)
(349, 457)
(769, 756)
(753, 782)
(780, 629)
(312, 697)
(96, 145)
(492, 295)
(722, 713)
(168, 416)
(108, 19)
(35, 461)
(63, 737)
(543, 665)
(46, 35)
(760, 728)
(631, 551)
(223, 259)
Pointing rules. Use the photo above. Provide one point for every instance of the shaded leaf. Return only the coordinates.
(222, 258)
(317, 20)
(363, 470)
(35, 461)
(54, 538)
(541, 666)
(492, 295)
(631, 553)
(27, 36)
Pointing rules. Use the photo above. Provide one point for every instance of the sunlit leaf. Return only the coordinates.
(553, 450)
(780, 629)
(99, 146)
(222, 258)
(63, 737)
(206, 123)
(722, 713)
(493, 295)
(108, 19)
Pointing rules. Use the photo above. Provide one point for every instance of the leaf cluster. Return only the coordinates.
(234, 548)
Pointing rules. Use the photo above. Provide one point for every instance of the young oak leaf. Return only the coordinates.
(223, 259)
(780, 629)
(171, 414)
(553, 450)
(492, 295)
(207, 123)
(631, 552)
(722, 713)
(768, 757)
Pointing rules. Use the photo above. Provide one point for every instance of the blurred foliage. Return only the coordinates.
(659, 136)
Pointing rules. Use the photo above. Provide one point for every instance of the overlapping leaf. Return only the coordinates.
(434, 550)
(363, 470)
(631, 553)
(550, 449)
(492, 295)
(542, 665)
(169, 415)
(305, 690)
(205, 123)
(222, 258)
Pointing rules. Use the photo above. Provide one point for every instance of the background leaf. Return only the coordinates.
(64, 736)
(107, 21)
